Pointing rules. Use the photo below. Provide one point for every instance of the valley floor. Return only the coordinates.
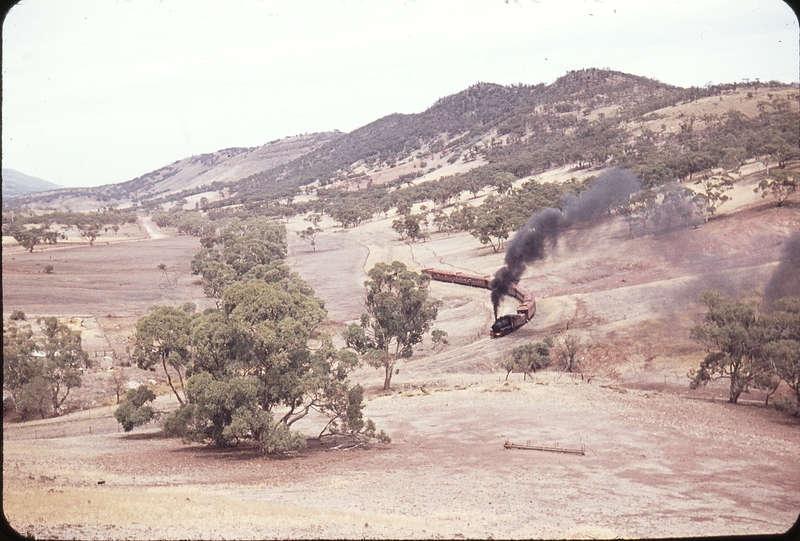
(660, 460)
(656, 465)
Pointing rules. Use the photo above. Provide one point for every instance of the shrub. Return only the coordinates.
(133, 412)
(786, 405)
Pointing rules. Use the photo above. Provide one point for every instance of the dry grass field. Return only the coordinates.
(661, 460)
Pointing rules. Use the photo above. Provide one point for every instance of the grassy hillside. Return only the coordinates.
(196, 174)
(16, 184)
(585, 119)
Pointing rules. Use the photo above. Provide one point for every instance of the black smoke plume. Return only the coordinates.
(785, 281)
(543, 228)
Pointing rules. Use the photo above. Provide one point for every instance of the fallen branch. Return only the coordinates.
(556, 449)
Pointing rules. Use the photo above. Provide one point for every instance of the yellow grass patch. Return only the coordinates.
(184, 507)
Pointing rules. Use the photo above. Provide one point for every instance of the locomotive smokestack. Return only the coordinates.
(543, 228)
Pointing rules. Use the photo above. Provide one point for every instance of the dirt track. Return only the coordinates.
(661, 460)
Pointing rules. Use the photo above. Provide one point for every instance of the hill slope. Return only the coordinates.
(16, 183)
(587, 118)
(206, 172)
(483, 115)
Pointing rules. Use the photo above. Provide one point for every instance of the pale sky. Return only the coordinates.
(102, 91)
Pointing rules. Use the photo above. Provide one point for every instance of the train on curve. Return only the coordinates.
(504, 324)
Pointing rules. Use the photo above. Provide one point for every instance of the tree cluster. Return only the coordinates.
(749, 348)
(247, 371)
(41, 369)
(192, 223)
(501, 215)
(529, 358)
(248, 249)
(31, 229)
(780, 185)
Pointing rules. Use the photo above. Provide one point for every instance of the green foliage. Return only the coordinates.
(711, 192)
(439, 338)
(162, 338)
(782, 353)
(399, 315)
(750, 348)
(35, 397)
(216, 277)
(250, 360)
(786, 405)
(309, 234)
(462, 218)
(349, 213)
(27, 238)
(18, 347)
(780, 185)
(492, 226)
(42, 370)
(90, 230)
(133, 412)
(33, 229)
(251, 242)
(186, 222)
(528, 358)
(662, 209)
(241, 247)
(500, 215)
(735, 336)
(252, 356)
(412, 226)
(223, 411)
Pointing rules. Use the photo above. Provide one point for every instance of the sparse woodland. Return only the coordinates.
(282, 314)
(238, 363)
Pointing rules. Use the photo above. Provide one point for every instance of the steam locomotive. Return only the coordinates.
(504, 324)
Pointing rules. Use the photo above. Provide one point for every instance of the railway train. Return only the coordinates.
(504, 324)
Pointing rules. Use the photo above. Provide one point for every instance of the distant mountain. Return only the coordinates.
(195, 174)
(587, 118)
(16, 183)
(483, 114)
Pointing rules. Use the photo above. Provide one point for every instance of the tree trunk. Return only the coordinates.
(56, 388)
(169, 380)
(734, 394)
(57, 403)
(387, 381)
(180, 377)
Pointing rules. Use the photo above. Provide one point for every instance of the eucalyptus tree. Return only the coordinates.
(780, 184)
(782, 354)
(399, 315)
(42, 368)
(530, 357)
(254, 373)
(734, 336)
(163, 338)
(309, 234)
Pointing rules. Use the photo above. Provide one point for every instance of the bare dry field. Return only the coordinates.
(660, 460)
